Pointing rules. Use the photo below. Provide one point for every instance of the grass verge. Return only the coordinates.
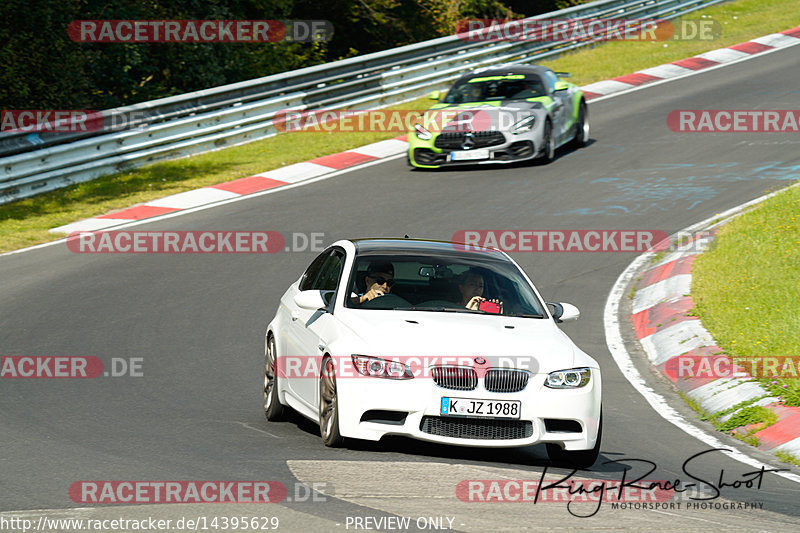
(740, 21)
(747, 292)
(26, 222)
(786, 457)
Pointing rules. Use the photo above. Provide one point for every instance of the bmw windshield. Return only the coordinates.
(453, 284)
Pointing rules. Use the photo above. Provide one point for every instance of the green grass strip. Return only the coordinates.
(746, 291)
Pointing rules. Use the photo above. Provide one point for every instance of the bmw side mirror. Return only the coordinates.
(309, 300)
(561, 86)
(563, 312)
(435, 95)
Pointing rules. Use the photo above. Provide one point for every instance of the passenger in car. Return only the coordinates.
(378, 281)
(471, 288)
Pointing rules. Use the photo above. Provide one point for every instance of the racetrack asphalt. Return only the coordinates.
(197, 322)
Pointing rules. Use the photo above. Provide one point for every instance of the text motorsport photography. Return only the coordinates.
(584, 497)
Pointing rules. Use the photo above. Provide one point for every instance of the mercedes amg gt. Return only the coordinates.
(501, 114)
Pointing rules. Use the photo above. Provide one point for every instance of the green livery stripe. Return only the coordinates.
(494, 78)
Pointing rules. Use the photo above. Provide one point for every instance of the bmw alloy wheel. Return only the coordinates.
(329, 405)
(273, 409)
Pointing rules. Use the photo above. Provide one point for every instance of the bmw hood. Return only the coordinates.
(529, 343)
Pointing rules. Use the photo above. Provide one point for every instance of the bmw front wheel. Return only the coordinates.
(273, 409)
(329, 406)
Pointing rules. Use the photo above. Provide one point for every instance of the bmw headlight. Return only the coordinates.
(568, 379)
(381, 368)
(524, 125)
(422, 133)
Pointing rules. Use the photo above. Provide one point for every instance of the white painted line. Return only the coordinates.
(88, 224)
(616, 345)
(607, 87)
(382, 148)
(248, 426)
(185, 200)
(723, 55)
(676, 340)
(666, 71)
(296, 172)
(662, 291)
(723, 393)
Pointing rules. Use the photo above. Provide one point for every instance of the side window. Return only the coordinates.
(536, 86)
(312, 272)
(550, 80)
(329, 274)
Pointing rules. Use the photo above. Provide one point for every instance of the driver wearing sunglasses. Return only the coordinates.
(379, 281)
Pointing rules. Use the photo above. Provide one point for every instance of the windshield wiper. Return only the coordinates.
(439, 309)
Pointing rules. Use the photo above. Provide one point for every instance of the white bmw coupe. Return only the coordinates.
(435, 341)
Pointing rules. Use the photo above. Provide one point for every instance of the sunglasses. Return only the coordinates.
(380, 280)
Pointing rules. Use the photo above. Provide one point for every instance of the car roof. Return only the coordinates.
(505, 70)
(422, 247)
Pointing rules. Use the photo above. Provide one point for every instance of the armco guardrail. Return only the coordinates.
(233, 114)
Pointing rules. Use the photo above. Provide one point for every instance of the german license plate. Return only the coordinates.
(480, 408)
(469, 155)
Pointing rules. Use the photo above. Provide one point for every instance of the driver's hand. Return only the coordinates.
(372, 294)
(474, 303)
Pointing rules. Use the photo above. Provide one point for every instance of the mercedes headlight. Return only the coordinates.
(422, 133)
(524, 125)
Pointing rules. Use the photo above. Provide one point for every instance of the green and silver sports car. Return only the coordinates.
(500, 114)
